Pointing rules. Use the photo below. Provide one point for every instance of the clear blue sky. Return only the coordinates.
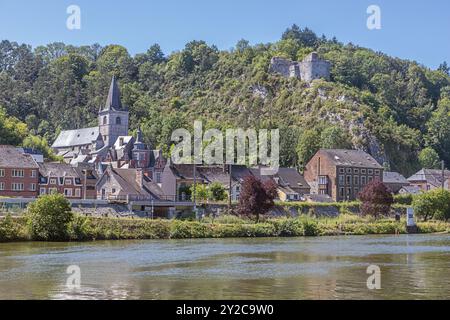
(416, 30)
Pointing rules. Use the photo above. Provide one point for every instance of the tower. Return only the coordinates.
(141, 155)
(113, 117)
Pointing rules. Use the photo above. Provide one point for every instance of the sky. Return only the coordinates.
(410, 29)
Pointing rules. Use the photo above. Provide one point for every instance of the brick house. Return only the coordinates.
(429, 179)
(19, 173)
(341, 174)
(60, 178)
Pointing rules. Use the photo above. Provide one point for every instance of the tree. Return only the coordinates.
(443, 67)
(256, 198)
(40, 144)
(12, 131)
(376, 199)
(49, 218)
(335, 137)
(433, 204)
(308, 145)
(217, 191)
(438, 127)
(429, 159)
(305, 37)
(201, 192)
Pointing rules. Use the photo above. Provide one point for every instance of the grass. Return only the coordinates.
(89, 229)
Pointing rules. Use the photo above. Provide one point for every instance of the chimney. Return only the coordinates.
(140, 177)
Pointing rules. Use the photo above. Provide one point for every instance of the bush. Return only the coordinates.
(376, 199)
(433, 204)
(404, 199)
(49, 218)
(10, 230)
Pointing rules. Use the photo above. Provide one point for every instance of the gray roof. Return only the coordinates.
(394, 177)
(290, 177)
(56, 169)
(113, 101)
(411, 189)
(351, 158)
(10, 157)
(79, 137)
(431, 176)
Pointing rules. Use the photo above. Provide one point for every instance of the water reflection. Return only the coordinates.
(413, 267)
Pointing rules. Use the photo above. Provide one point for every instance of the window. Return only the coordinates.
(322, 191)
(118, 121)
(341, 192)
(2, 172)
(363, 171)
(17, 186)
(349, 170)
(370, 171)
(42, 191)
(78, 193)
(377, 172)
(52, 181)
(356, 171)
(105, 120)
(68, 182)
(349, 193)
(348, 180)
(113, 190)
(33, 173)
(2, 186)
(68, 192)
(370, 179)
(356, 180)
(323, 180)
(356, 192)
(33, 187)
(363, 181)
(341, 179)
(341, 170)
(18, 173)
(158, 177)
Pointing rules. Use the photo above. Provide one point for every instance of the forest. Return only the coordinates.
(397, 110)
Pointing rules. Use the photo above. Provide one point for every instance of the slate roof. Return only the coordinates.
(290, 177)
(79, 137)
(129, 186)
(431, 176)
(56, 169)
(351, 158)
(113, 101)
(10, 157)
(394, 178)
(411, 189)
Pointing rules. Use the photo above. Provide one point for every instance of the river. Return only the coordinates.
(412, 267)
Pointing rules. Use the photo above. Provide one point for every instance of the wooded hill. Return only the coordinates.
(396, 109)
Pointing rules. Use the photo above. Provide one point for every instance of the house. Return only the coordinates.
(413, 190)
(178, 179)
(394, 181)
(127, 184)
(341, 174)
(60, 178)
(19, 173)
(292, 186)
(429, 179)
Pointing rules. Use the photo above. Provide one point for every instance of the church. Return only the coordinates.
(109, 142)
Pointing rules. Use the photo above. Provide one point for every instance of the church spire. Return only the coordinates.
(113, 101)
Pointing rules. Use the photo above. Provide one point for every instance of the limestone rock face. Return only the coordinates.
(311, 68)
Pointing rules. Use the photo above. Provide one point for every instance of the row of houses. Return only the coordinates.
(331, 175)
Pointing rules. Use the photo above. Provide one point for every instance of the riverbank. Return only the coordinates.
(91, 229)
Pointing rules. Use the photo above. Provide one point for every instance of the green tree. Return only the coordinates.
(217, 191)
(429, 159)
(433, 204)
(308, 145)
(438, 127)
(335, 138)
(49, 218)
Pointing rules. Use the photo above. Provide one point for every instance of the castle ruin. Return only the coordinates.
(311, 68)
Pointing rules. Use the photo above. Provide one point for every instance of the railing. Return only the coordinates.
(137, 198)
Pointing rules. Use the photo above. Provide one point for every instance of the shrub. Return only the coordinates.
(376, 199)
(405, 199)
(433, 204)
(49, 218)
(9, 229)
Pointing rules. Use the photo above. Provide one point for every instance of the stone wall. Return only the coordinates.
(311, 68)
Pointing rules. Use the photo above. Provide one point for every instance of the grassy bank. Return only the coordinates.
(87, 229)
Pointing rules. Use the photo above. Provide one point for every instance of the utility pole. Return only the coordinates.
(195, 189)
(230, 191)
(85, 182)
(443, 175)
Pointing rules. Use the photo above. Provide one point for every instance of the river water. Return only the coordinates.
(412, 267)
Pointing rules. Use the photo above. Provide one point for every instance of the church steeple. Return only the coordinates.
(113, 101)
